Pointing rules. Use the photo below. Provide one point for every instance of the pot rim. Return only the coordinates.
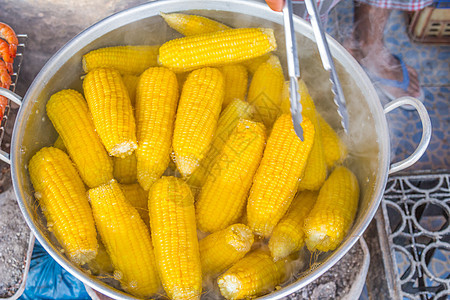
(252, 8)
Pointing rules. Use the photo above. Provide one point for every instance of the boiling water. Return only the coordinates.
(361, 140)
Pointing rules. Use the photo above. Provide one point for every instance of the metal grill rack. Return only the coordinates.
(14, 78)
(18, 289)
(416, 213)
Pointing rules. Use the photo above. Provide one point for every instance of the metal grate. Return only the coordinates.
(14, 78)
(416, 210)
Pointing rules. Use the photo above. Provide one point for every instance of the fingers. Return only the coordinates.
(276, 5)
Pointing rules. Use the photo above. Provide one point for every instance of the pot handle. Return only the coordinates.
(426, 131)
(5, 156)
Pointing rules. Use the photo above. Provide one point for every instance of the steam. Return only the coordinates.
(361, 142)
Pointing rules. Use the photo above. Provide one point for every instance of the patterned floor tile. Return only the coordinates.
(432, 63)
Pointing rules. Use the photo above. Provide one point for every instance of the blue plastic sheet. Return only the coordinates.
(47, 280)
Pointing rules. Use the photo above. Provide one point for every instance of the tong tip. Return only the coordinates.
(344, 123)
(299, 131)
(296, 107)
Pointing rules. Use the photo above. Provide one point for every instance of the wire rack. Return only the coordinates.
(416, 210)
(14, 78)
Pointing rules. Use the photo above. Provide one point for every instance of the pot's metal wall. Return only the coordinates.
(368, 139)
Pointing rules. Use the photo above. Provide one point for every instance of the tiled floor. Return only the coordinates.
(432, 63)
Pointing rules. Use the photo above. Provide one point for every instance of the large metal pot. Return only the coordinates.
(368, 138)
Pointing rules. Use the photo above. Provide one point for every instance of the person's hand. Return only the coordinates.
(276, 5)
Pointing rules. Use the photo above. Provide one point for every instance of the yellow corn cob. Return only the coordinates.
(156, 105)
(192, 24)
(220, 250)
(197, 115)
(69, 114)
(111, 111)
(334, 149)
(252, 276)
(216, 48)
(253, 64)
(308, 106)
(125, 169)
(62, 197)
(172, 221)
(265, 91)
(228, 121)
(285, 98)
(126, 238)
(102, 263)
(288, 236)
(138, 198)
(59, 143)
(125, 59)
(131, 82)
(334, 211)
(222, 199)
(236, 81)
(316, 168)
(276, 180)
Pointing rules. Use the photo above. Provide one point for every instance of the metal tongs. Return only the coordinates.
(294, 68)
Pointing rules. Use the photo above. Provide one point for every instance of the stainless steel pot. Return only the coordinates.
(368, 139)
